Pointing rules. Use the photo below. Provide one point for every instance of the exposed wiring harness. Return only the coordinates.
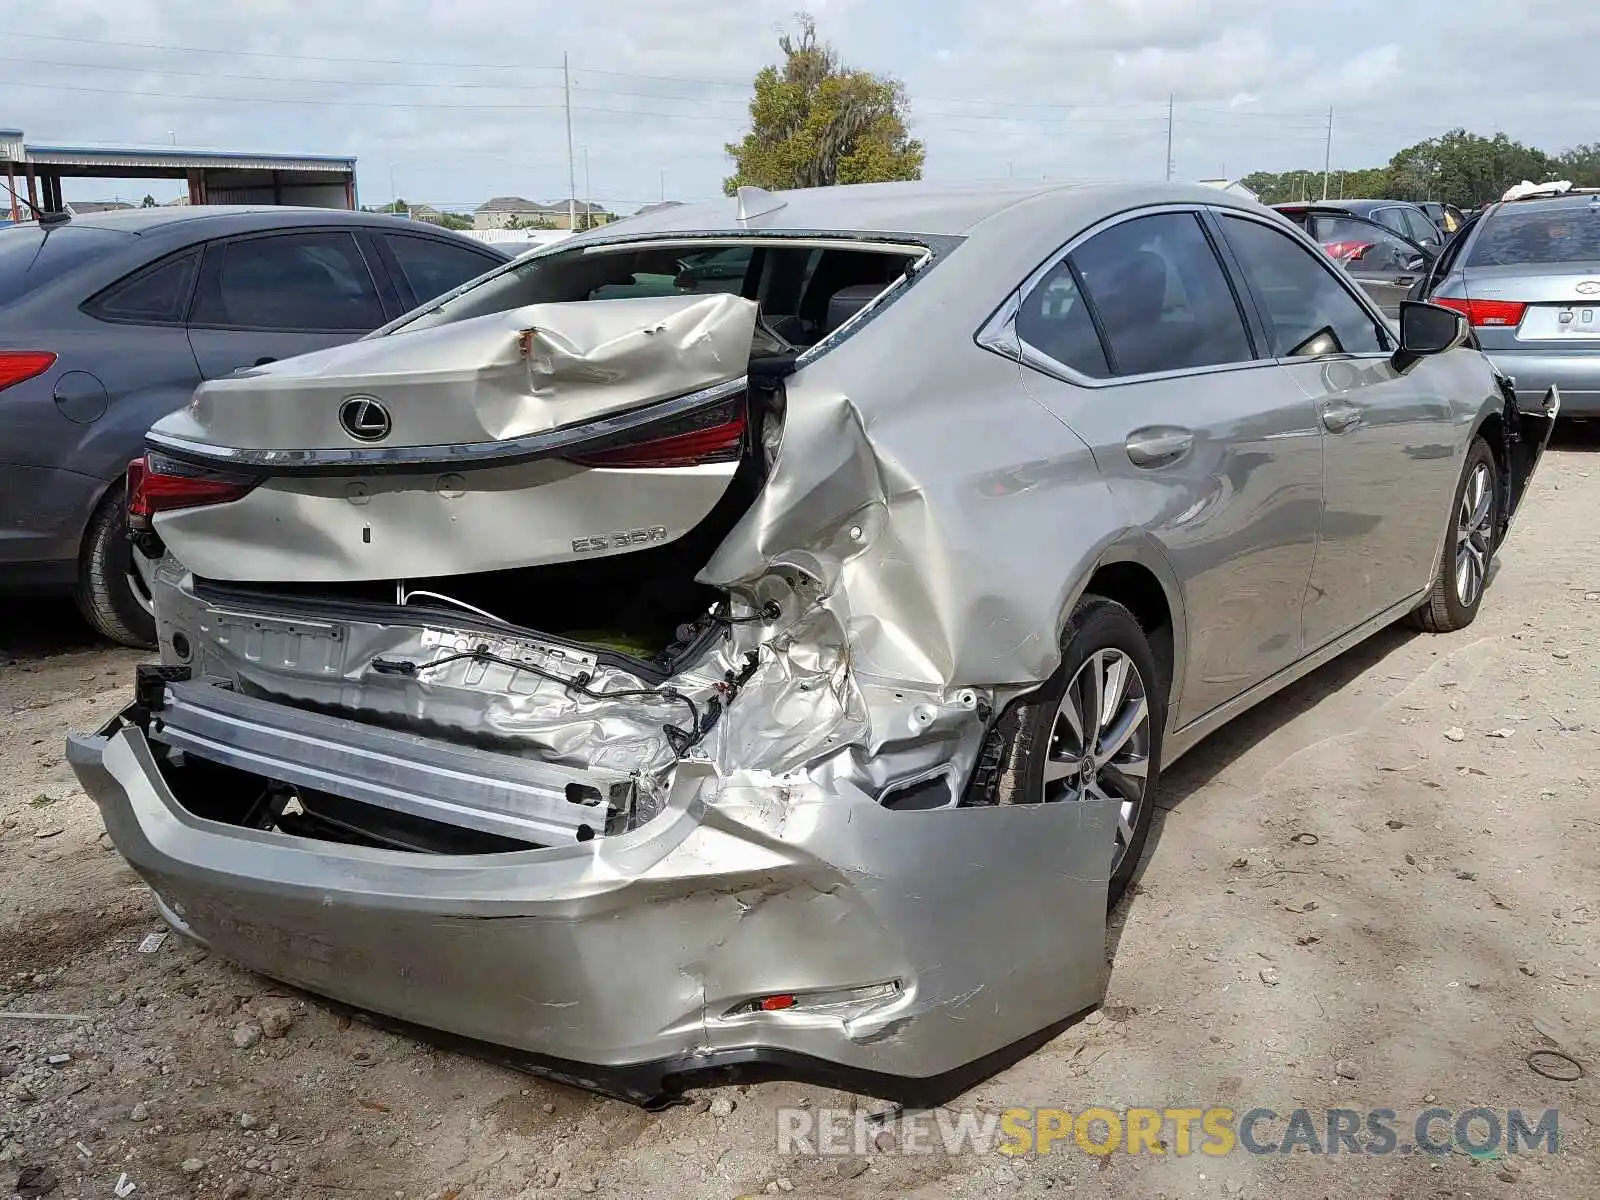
(770, 611)
(679, 739)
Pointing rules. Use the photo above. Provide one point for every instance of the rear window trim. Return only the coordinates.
(925, 249)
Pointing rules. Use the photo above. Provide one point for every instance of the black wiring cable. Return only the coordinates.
(770, 611)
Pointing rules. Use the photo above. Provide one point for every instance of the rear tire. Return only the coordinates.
(109, 593)
(1042, 755)
(1462, 574)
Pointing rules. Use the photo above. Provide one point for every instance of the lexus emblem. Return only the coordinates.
(365, 418)
(1589, 287)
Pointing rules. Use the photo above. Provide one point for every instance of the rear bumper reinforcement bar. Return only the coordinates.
(421, 777)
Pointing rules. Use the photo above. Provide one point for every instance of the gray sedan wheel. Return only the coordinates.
(1092, 734)
(1463, 570)
(110, 593)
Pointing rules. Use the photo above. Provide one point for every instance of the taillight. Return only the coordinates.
(1501, 313)
(1346, 251)
(711, 435)
(159, 484)
(17, 365)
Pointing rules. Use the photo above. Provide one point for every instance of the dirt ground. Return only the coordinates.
(1382, 889)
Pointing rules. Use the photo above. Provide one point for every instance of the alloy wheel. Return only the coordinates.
(1100, 742)
(1474, 535)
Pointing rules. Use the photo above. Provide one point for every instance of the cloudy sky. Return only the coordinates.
(450, 102)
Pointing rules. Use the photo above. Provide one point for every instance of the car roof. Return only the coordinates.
(1573, 199)
(916, 208)
(237, 217)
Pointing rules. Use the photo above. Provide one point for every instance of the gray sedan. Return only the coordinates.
(108, 321)
(771, 668)
(1526, 274)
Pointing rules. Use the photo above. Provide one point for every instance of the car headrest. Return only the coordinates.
(847, 302)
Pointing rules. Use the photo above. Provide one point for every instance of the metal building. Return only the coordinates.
(34, 173)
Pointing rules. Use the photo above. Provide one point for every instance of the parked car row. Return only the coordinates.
(110, 321)
(1524, 272)
(719, 650)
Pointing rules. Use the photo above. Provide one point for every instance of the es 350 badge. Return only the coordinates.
(624, 540)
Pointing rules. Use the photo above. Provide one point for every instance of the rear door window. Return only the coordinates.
(312, 281)
(1509, 237)
(1390, 218)
(157, 295)
(432, 267)
(1161, 296)
(1298, 292)
(1418, 228)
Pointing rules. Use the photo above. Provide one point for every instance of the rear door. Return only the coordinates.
(265, 297)
(1388, 438)
(1140, 345)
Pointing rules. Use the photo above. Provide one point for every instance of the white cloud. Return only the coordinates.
(458, 101)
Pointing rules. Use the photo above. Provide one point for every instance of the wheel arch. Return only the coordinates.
(1137, 575)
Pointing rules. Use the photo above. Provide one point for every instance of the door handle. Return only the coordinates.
(1405, 280)
(1158, 446)
(1337, 418)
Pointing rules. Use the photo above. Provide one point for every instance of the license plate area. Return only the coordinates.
(1562, 322)
(302, 647)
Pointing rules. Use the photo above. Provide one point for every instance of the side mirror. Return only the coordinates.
(1428, 329)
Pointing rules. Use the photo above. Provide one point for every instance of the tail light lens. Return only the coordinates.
(1347, 251)
(1497, 313)
(159, 484)
(710, 435)
(17, 365)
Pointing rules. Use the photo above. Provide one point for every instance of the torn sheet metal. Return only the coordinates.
(490, 378)
(897, 492)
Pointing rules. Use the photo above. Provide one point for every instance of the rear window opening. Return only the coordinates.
(805, 290)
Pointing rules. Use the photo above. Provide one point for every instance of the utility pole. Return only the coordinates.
(1170, 100)
(572, 173)
(588, 192)
(1327, 154)
(663, 184)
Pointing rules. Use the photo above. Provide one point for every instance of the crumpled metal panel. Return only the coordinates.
(505, 375)
(898, 490)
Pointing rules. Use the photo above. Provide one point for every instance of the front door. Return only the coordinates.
(1209, 447)
(273, 296)
(1388, 440)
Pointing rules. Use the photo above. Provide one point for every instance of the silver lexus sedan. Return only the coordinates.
(746, 640)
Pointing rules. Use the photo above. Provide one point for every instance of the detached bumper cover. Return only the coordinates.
(925, 949)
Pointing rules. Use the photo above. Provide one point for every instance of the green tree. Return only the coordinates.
(1466, 169)
(1581, 164)
(814, 122)
(149, 201)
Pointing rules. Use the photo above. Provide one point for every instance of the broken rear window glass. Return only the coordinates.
(1570, 233)
(805, 292)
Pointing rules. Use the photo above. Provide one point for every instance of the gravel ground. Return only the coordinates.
(1379, 890)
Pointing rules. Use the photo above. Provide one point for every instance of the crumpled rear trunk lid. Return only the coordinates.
(494, 378)
(502, 442)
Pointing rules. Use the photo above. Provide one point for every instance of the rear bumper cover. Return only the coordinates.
(1534, 373)
(622, 964)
